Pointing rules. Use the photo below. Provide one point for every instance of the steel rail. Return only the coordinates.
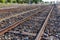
(41, 32)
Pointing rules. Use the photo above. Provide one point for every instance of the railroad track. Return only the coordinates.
(4, 22)
(13, 19)
(9, 13)
(23, 16)
(52, 29)
(23, 26)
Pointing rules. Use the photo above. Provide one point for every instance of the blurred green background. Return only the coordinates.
(21, 1)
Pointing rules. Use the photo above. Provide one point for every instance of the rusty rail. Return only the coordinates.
(19, 22)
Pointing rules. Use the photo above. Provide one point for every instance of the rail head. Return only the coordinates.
(41, 32)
